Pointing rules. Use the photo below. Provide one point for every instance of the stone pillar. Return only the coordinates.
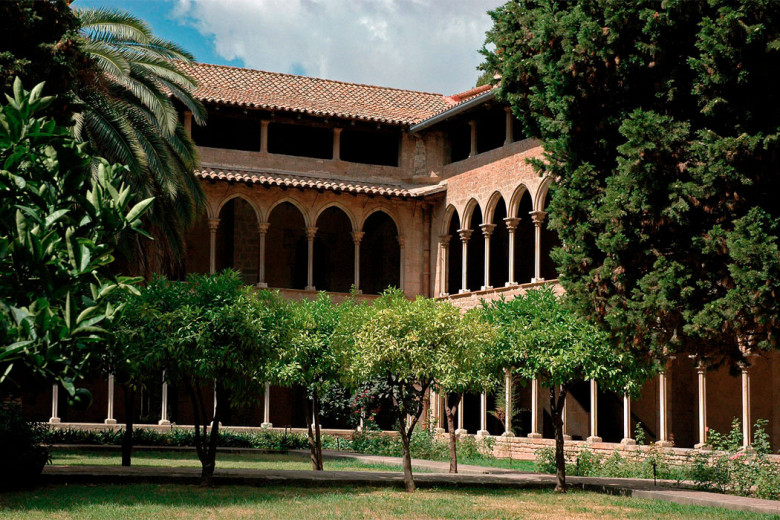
(747, 427)
(535, 434)
(473, 151)
(459, 430)
(110, 412)
(357, 236)
(483, 431)
(663, 412)
(267, 407)
(487, 230)
(55, 398)
(507, 405)
(262, 231)
(402, 247)
(465, 235)
(594, 412)
(213, 225)
(310, 233)
(337, 144)
(538, 219)
(264, 136)
(164, 413)
(701, 373)
(627, 439)
(511, 226)
(188, 122)
(440, 417)
(444, 278)
(509, 139)
(564, 419)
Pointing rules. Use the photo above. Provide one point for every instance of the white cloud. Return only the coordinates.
(429, 45)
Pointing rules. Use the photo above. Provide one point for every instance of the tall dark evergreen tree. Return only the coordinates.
(661, 124)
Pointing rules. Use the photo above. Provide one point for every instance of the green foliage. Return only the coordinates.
(423, 445)
(59, 223)
(23, 447)
(660, 126)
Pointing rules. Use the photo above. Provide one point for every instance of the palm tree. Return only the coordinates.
(129, 115)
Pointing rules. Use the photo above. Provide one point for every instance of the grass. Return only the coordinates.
(517, 465)
(269, 503)
(266, 461)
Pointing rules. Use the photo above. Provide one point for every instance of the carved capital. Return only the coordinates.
(401, 240)
(213, 224)
(310, 233)
(444, 240)
(357, 236)
(538, 217)
(512, 223)
(465, 234)
(262, 227)
(487, 229)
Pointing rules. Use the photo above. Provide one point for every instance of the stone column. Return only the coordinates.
(627, 421)
(262, 231)
(465, 235)
(310, 233)
(594, 412)
(444, 279)
(267, 407)
(701, 373)
(747, 427)
(511, 226)
(459, 430)
(538, 220)
(264, 136)
(509, 127)
(402, 247)
(564, 420)
(487, 230)
(337, 144)
(663, 413)
(440, 417)
(473, 125)
(213, 225)
(535, 410)
(357, 236)
(164, 413)
(110, 412)
(507, 405)
(483, 431)
(55, 398)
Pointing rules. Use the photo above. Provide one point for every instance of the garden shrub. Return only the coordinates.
(23, 451)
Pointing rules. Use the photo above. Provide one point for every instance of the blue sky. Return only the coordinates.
(428, 45)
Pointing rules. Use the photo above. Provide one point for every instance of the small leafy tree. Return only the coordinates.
(59, 222)
(541, 338)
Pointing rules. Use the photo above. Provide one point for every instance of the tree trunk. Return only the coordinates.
(310, 433)
(407, 460)
(127, 438)
(210, 463)
(556, 406)
(317, 432)
(449, 410)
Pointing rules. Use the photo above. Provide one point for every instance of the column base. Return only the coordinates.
(702, 447)
(164, 422)
(463, 291)
(266, 425)
(358, 291)
(439, 431)
(309, 288)
(534, 435)
(54, 420)
(510, 284)
(507, 434)
(483, 433)
(109, 421)
(485, 287)
(461, 431)
(566, 437)
(537, 280)
(664, 444)
(444, 294)
(628, 441)
(593, 438)
(261, 285)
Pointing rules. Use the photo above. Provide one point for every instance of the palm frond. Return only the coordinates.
(186, 98)
(108, 59)
(147, 92)
(106, 24)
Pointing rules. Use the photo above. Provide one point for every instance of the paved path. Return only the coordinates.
(470, 476)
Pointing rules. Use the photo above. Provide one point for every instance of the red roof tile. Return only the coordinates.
(275, 91)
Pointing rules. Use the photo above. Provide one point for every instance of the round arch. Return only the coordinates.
(514, 202)
(490, 207)
(335, 204)
(468, 211)
(237, 241)
(451, 282)
(334, 250)
(380, 253)
(541, 193)
(239, 195)
(384, 209)
(445, 221)
(286, 254)
(295, 202)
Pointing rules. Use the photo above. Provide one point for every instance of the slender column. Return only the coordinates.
(465, 235)
(511, 226)
(507, 404)
(110, 412)
(55, 397)
(487, 230)
(627, 421)
(747, 427)
(473, 125)
(262, 231)
(509, 127)
(310, 233)
(444, 243)
(439, 415)
(164, 413)
(357, 236)
(701, 376)
(663, 414)
(565, 420)
(213, 225)
(538, 220)
(337, 144)
(459, 430)
(594, 412)
(483, 431)
(535, 410)
(402, 277)
(264, 136)
(188, 122)
(267, 407)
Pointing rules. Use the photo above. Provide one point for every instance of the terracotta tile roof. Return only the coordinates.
(290, 180)
(275, 91)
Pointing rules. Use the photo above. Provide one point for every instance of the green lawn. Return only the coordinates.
(229, 502)
(224, 460)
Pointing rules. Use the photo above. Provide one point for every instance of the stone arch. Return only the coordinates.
(499, 245)
(384, 209)
(514, 202)
(549, 241)
(347, 211)
(454, 263)
(295, 202)
(239, 195)
(286, 252)
(334, 252)
(380, 252)
(468, 211)
(445, 221)
(525, 240)
(238, 239)
(540, 199)
(490, 207)
(475, 260)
